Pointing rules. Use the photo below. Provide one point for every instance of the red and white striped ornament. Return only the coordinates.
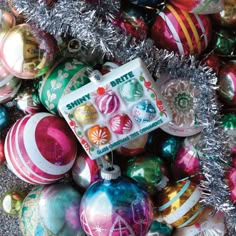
(40, 148)
(179, 31)
(121, 124)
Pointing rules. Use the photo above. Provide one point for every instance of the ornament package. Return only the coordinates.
(123, 105)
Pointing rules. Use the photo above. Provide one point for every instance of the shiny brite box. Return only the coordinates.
(123, 105)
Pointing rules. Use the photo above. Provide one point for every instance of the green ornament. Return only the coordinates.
(229, 121)
(65, 77)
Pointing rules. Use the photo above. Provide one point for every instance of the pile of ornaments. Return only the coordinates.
(149, 186)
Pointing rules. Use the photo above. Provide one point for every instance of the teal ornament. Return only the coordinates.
(65, 77)
(51, 210)
(159, 229)
(4, 118)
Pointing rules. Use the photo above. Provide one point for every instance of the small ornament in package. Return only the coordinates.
(122, 105)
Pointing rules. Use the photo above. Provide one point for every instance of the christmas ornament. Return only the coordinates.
(40, 148)
(4, 117)
(158, 228)
(229, 124)
(227, 84)
(182, 32)
(115, 206)
(7, 21)
(9, 85)
(28, 101)
(152, 3)
(51, 210)
(180, 96)
(26, 52)
(85, 171)
(11, 202)
(186, 161)
(108, 67)
(207, 225)
(99, 135)
(121, 124)
(213, 62)
(200, 6)
(2, 155)
(64, 77)
(146, 169)
(231, 178)
(179, 204)
(227, 17)
(134, 147)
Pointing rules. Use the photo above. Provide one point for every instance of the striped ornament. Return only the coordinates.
(179, 204)
(121, 124)
(179, 31)
(40, 148)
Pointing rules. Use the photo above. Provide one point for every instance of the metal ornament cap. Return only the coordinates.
(110, 173)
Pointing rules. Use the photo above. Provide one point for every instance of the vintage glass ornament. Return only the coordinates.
(2, 155)
(4, 117)
(66, 76)
(147, 169)
(231, 178)
(40, 148)
(180, 31)
(11, 202)
(207, 225)
(9, 85)
(27, 100)
(51, 210)
(227, 84)
(115, 205)
(179, 204)
(199, 6)
(213, 61)
(159, 228)
(85, 171)
(227, 17)
(26, 52)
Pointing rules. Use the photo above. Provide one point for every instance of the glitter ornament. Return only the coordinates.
(99, 135)
(227, 84)
(27, 53)
(4, 117)
(2, 155)
(121, 124)
(85, 171)
(146, 169)
(11, 202)
(199, 6)
(86, 113)
(179, 204)
(182, 32)
(115, 205)
(65, 76)
(27, 100)
(131, 90)
(144, 111)
(51, 210)
(40, 148)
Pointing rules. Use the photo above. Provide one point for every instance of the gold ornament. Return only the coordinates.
(179, 204)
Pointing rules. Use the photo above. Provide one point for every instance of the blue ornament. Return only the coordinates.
(4, 118)
(152, 3)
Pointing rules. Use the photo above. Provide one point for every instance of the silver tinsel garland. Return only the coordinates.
(91, 24)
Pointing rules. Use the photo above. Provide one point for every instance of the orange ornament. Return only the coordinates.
(99, 135)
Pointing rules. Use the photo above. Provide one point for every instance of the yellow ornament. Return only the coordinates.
(86, 114)
(179, 204)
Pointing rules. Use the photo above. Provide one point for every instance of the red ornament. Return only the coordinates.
(182, 32)
(2, 155)
(213, 62)
(232, 183)
(121, 124)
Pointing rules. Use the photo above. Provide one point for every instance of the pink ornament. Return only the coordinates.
(108, 102)
(121, 124)
(232, 183)
(40, 148)
(181, 32)
(2, 155)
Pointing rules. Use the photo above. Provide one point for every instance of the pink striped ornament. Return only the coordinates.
(40, 148)
(121, 124)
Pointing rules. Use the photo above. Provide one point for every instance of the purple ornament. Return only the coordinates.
(115, 206)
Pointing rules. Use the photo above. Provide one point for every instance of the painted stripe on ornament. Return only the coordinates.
(185, 208)
(176, 197)
(174, 32)
(33, 151)
(27, 160)
(194, 30)
(192, 218)
(202, 29)
(182, 25)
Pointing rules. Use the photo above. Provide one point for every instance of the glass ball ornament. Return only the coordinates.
(159, 228)
(182, 32)
(212, 61)
(179, 204)
(2, 155)
(26, 52)
(4, 117)
(115, 205)
(40, 148)
(11, 202)
(51, 210)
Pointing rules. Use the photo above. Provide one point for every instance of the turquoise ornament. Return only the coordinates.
(4, 118)
(159, 229)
